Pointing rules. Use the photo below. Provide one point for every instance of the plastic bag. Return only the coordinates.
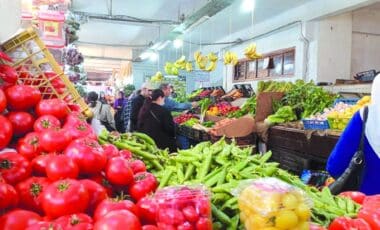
(269, 203)
(183, 207)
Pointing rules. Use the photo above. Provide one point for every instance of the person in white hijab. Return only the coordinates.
(349, 141)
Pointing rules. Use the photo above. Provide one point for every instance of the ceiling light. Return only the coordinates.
(153, 57)
(146, 54)
(178, 43)
(248, 6)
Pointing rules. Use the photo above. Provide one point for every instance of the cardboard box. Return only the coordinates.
(264, 106)
(240, 127)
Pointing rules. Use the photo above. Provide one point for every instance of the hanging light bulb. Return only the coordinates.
(248, 6)
(178, 43)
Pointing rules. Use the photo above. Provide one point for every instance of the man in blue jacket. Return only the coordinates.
(171, 104)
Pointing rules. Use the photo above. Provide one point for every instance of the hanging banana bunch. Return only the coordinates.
(251, 53)
(206, 63)
(230, 58)
(180, 63)
(171, 69)
(158, 77)
(189, 67)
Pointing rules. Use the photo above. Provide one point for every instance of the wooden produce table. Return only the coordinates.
(297, 149)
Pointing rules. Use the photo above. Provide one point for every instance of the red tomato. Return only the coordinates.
(118, 220)
(358, 197)
(118, 171)
(110, 150)
(149, 227)
(56, 107)
(316, 227)
(64, 197)
(80, 130)
(109, 205)
(29, 146)
(97, 194)
(144, 183)
(3, 101)
(190, 214)
(170, 216)
(102, 180)
(39, 164)
(42, 225)
(8, 196)
(61, 167)
(9, 74)
(14, 168)
(204, 224)
(75, 117)
(6, 132)
(81, 226)
(19, 220)
(166, 226)
(22, 97)
(73, 220)
(46, 122)
(125, 154)
(88, 155)
(186, 226)
(22, 122)
(54, 140)
(137, 166)
(202, 205)
(147, 208)
(30, 191)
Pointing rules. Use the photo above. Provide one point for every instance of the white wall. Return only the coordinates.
(334, 48)
(10, 18)
(366, 39)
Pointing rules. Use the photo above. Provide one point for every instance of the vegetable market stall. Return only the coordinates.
(297, 149)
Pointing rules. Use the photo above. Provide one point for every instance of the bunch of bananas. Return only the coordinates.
(181, 63)
(158, 77)
(206, 63)
(171, 69)
(251, 53)
(230, 58)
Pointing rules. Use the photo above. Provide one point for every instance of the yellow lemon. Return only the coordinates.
(302, 226)
(303, 212)
(286, 220)
(289, 201)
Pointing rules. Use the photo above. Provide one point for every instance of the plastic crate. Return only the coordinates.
(37, 67)
(315, 124)
(348, 101)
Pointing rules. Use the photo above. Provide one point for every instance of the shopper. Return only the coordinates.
(137, 103)
(120, 102)
(349, 141)
(171, 104)
(102, 98)
(157, 122)
(102, 114)
(127, 110)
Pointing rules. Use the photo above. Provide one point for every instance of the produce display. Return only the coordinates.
(183, 207)
(283, 115)
(233, 95)
(269, 202)
(249, 107)
(180, 119)
(222, 109)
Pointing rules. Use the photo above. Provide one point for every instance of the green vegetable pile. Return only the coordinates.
(204, 104)
(308, 98)
(221, 167)
(191, 122)
(194, 94)
(249, 107)
(208, 124)
(283, 114)
(274, 86)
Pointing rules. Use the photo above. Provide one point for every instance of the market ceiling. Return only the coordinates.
(140, 23)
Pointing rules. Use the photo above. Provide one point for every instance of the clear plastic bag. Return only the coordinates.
(183, 207)
(269, 203)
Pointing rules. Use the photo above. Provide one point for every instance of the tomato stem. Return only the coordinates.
(63, 186)
(35, 189)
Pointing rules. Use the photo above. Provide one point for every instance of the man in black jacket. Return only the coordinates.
(137, 103)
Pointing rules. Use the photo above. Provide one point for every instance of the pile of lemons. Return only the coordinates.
(339, 120)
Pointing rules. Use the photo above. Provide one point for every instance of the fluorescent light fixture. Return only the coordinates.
(153, 57)
(178, 43)
(146, 54)
(248, 6)
(163, 45)
(197, 23)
